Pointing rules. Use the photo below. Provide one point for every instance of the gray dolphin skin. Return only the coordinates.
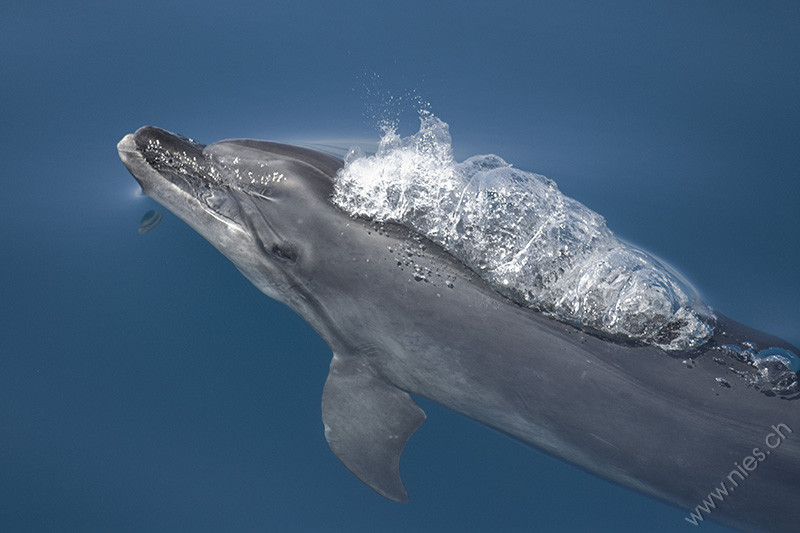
(676, 426)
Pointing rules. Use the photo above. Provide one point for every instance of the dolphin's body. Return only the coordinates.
(403, 316)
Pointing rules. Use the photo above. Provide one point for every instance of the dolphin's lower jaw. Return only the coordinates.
(134, 160)
(658, 423)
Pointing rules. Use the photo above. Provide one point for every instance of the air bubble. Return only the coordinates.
(518, 232)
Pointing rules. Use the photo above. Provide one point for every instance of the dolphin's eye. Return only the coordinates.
(285, 253)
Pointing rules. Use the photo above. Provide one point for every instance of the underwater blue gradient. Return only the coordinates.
(145, 385)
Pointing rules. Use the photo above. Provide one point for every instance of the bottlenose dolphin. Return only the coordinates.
(672, 425)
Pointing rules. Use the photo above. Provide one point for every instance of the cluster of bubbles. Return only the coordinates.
(518, 232)
(773, 371)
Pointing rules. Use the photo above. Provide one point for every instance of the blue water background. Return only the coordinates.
(145, 385)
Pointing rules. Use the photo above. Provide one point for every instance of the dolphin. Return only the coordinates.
(680, 427)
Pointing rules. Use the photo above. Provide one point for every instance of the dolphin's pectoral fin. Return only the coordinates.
(367, 423)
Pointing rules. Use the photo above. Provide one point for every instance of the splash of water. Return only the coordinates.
(517, 231)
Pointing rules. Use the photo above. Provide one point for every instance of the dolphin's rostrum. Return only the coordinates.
(659, 422)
